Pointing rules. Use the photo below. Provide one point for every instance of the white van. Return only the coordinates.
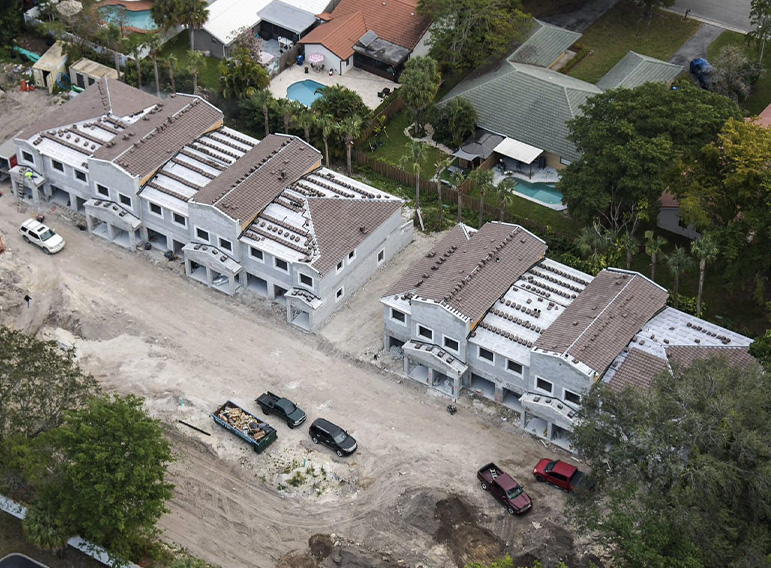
(46, 238)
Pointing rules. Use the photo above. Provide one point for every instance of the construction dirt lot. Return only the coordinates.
(408, 497)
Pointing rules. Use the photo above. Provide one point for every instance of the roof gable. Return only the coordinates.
(635, 69)
(339, 35)
(545, 44)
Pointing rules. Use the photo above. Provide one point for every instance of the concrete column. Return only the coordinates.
(209, 278)
(110, 231)
(89, 223)
(188, 267)
(133, 239)
(498, 393)
(143, 233)
(548, 430)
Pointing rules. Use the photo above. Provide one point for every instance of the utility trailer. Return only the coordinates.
(245, 425)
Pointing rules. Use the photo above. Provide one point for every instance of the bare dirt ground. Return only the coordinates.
(408, 497)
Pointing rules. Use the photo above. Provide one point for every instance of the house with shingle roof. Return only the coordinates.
(374, 35)
(487, 311)
(527, 102)
(243, 214)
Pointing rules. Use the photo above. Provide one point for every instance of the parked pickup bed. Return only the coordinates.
(562, 475)
(504, 488)
(283, 407)
(246, 425)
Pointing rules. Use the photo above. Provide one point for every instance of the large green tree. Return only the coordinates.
(631, 143)
(339, 102)
(420, 83)
(454, 122)
(241, 76)
(108, 470)
(466, 33)
(683, 469)
(760, 18)
(727, 190)
(734, 73)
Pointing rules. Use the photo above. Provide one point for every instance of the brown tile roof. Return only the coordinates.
(597, 325)
(338, 225)
(668, 200)
(638, 371)
(764, 118)
(154, 139)
(339, 35)
(469, 274)
(106, 96)
(396, 21)
(259, 176)
(685, 355)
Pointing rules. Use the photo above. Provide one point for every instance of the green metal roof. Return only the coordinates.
(545, 44)
(530, 104)
(635, 69)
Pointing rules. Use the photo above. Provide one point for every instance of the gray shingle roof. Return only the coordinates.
(635, 69)
(151, 141)
(259, 176)
(106, 96)
(338, 224)
(604, 318)
(287, 16)
(530, 104)
(545, 44)
(469, 272)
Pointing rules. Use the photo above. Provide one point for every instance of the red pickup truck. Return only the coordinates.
(562, 475)
(504, 488)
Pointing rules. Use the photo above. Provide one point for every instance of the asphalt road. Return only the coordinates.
(729, 14)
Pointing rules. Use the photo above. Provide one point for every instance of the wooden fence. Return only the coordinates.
(396, 104)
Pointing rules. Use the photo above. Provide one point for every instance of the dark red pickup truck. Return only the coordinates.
(562, 475)
(504, 488)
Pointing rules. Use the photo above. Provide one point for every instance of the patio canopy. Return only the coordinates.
(517, 150)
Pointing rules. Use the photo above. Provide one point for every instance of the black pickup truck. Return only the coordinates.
(283, 407)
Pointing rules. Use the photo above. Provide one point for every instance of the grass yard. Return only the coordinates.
(623, 29)
(208, 74)
(393, 147)
(760, 97)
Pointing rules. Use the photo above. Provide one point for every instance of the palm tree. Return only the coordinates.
(653, 246)
(592, 243)
(194, 16)
(171, 63)
(413, 159)
(155, 42)
(42, 529)
(630, 244)
(457, 179)
(705, 249)
(135, 43)
(264, 99)
(483, 180)
(305, 119)
(441, 164)
(286, 108)
(113, 37)
(326, 123)
(505, 194)
(351, 128)
(678, 262)
(194, 61)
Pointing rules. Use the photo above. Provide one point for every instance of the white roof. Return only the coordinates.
(518, 150)
(227, 17)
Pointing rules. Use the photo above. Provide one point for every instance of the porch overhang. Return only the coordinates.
(517, 150)
(435, 357)
(312, 301)
(112, 213)
(211, 257)
(26, 176)
(550, 409)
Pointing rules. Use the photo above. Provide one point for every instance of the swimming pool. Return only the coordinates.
(141, 20)
(304, 92)
(542, 192)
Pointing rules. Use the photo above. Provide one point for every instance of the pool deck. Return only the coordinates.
(546, 175)
(130, 5)
(365, 84)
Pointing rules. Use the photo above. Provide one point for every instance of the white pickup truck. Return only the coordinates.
(33, 231)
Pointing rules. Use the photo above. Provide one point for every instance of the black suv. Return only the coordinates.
(324, 432)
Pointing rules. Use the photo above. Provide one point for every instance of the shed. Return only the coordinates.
(49, 66)
(85, 72)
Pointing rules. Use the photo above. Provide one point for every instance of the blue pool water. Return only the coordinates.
(304, 92)
(539, 191)
(141, 20)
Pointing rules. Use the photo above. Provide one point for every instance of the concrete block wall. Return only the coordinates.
(559, 372)
(442, 323)
(117, 181)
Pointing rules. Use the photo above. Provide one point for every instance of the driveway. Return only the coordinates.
(696, 46)
(729, 14)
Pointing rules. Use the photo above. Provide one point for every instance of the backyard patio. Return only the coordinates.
(365, 84)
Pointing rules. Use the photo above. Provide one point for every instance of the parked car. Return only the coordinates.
(561, 474)
(701, 68)
(35, 232)
(283, 407)
(324, 432)
(504, 488)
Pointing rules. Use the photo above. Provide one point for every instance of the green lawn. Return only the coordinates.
(393, 147)
(208, 74)
(760, 97)
(622, 29)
